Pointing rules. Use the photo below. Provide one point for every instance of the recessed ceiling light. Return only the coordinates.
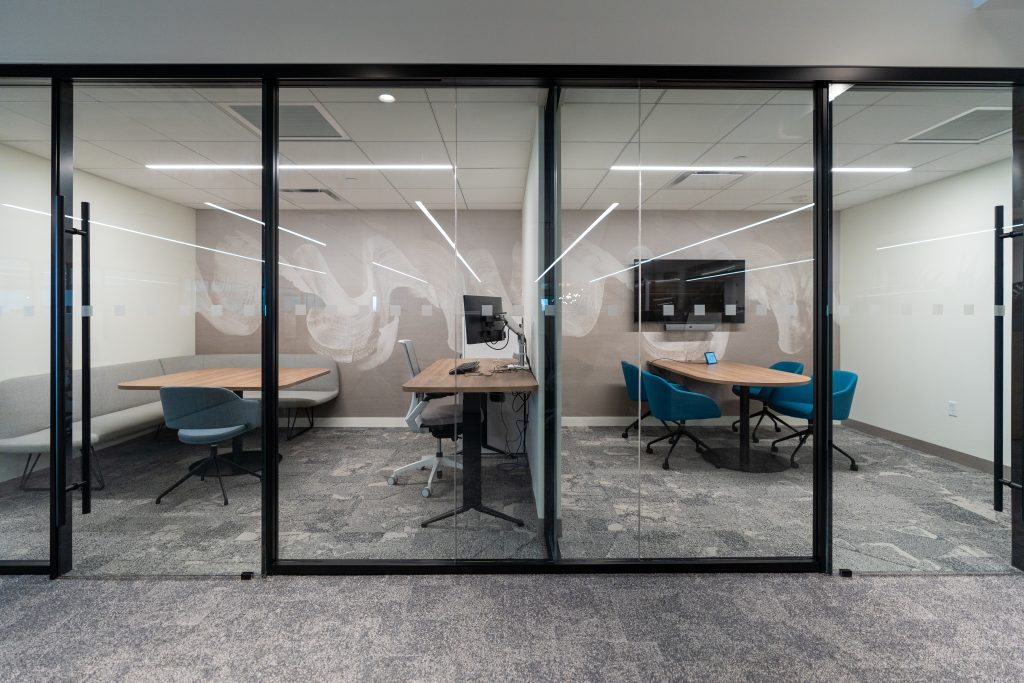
(386, 98)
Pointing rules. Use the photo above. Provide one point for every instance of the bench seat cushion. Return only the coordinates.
(39, 442)
(127, 422)
(289, 399)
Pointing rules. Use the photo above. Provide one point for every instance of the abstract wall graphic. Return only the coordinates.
(356, 311)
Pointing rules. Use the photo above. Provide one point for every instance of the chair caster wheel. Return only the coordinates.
(699, 450)
(650, 450)
(425, 492)
(664, 465)
(794, 465)
(440, 474)
(625, 435)
(775, 449)
(392, 481)
(735, 428)
(854, 468)
(778, 428)
(755, 439)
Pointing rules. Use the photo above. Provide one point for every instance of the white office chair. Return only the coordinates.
(439, 414)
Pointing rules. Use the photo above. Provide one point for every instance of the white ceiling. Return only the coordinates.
(488, 133)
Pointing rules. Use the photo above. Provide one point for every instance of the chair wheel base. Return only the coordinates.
(755, 439)
(664, 465)
(775, 449)
(854, 468)
(625, 435)
(650, 450)
(392, 481)
(440, 474)
(735, 428)
(794, 465)
(778, 428)
(425, 492)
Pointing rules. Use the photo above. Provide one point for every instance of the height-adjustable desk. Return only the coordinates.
(474, 389)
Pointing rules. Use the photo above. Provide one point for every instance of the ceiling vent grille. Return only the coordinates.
(705, 180)
(317, 191)
(296, 121)
(973, 126)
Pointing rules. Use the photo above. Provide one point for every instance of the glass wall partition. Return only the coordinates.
(172, 177)
(24, 320)
(686, 300)
(915, 270)
(406, 212)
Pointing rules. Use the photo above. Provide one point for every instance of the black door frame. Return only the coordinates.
(550, 77)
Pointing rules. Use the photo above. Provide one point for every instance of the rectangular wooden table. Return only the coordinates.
(474, 387)
(744, 376)
(237, 380)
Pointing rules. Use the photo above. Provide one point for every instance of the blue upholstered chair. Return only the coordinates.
(635, 391)
(763, 394)
(799, 402)
(671, 403)
(207, 416)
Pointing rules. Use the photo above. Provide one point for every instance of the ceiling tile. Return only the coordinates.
(14, 126)
(241, 199)
(186, 120)
(574, 198)
(228, 152)
(151, 151)
(322, 152)
(406, 152)
(790, 123)
(533, 96)
(492, 177)
(581, 178)
(912, 154)
(501, 195)
(22, 93)
(98, 121)
(368, 95)
(771, 181)
(438, 180)
(661, 153)
(974, 156)
(716, 96)
(736, 199)
(384, 122)
(361, 198)
(613, 95)
(678, 199)
(486, 122)
(350, 180)
(191, 196)
(138, 93)
(431, 197)
(599, 122)
(695, 122)
(491, 154)
(885, 125)
(743, 154)
(216, 179)
(141, 178)
(594, 155)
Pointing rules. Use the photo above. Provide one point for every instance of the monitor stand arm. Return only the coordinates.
(521, 361)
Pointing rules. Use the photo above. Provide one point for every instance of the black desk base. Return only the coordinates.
(756, 460)
(472, 485)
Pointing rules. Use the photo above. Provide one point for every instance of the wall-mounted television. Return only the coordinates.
(689, 291)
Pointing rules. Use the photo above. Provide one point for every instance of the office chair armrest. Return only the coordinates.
(431, 397)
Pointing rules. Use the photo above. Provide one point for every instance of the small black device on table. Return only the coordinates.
(464, 368)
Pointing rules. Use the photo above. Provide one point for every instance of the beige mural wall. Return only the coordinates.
(355, 311)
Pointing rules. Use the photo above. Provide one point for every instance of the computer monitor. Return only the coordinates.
(482, 322)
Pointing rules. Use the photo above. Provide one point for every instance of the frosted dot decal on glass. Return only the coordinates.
(968, 309)
(248, 310)
(761, 310)
(999, 311)
(936, 309)
(395, 310)
(28, 311)
(86, 311)
(426, 310)
(730, 309)
(300, 309)
(842, 310)
(698, 309)
(119, 310)
(669, 310)
(906, 309)
(614, 310)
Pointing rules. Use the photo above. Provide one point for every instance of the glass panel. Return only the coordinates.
(172, 173)
(599, 364)
(496, 146)
(370, 209)
(725, 293)
(24, 319)
(913, 322)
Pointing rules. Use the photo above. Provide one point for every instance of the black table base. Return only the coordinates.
(745, 460)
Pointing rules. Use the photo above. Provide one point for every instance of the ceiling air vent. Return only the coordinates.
(973, 126)
(704, 180)
(297, 121)
(314, 192)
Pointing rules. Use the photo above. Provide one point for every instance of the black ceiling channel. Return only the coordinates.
(531, 75)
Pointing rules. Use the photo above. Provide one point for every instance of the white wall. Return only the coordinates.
(143, 289)
(901, 315)
(792, 32)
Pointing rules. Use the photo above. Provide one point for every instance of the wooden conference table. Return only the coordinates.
(474, 388)
(742, 458)
(237, 380)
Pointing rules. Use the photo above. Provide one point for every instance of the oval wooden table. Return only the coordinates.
(742, 458)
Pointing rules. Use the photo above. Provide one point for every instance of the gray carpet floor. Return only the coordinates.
(903, 511)
(514, 628)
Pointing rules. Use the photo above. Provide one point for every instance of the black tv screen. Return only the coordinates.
(689, 291)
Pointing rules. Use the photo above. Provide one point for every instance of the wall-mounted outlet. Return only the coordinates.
(951, 408)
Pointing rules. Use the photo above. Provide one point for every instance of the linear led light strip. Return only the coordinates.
(301, 167)
(945, 237)
(578, 239)
(395, 270)
(749, 270)
(165, 239)
(705, 241)
(259, 222)
(763, 169)
(448, 239)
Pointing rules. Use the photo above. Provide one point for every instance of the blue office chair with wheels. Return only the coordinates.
(208, 416)
(763, 394)
(671, 403)
(799, 402)
(635, 391)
